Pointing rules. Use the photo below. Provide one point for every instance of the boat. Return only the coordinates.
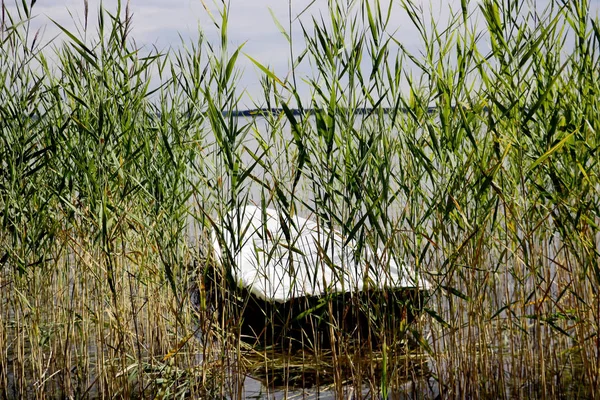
(294, 282)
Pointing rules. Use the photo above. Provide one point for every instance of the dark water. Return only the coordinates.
(292, 379)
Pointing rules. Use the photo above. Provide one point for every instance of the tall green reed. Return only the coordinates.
(112, 156)
(495, 144)
(95, 197)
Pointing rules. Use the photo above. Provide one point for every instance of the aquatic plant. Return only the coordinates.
(474, 161)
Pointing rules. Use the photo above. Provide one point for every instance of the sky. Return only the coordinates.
(160, 23)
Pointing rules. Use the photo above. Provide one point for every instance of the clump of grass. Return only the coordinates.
(474, 161)
(94, 206)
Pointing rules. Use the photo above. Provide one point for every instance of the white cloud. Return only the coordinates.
(160, 22)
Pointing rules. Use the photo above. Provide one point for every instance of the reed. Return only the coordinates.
(474, 161)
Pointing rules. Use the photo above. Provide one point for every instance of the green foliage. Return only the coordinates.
(474, 161)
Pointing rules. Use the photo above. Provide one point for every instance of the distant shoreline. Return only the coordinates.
(295, 111)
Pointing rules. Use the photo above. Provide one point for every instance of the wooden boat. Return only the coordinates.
(296, 283)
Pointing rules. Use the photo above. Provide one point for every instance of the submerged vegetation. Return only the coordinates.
(476, 163)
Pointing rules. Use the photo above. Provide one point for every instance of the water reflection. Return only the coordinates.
(309, 375)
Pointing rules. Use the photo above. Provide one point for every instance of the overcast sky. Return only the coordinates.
(160, 22)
